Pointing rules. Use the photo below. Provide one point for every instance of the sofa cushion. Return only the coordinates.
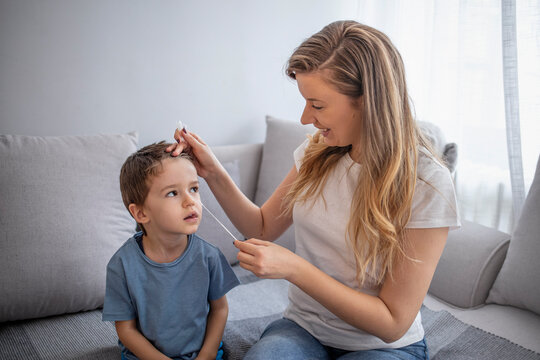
(282, 138)
(517, 282)
(463, 278)
(446, 151)
(248, 157)
(62, 218)
(209, 229)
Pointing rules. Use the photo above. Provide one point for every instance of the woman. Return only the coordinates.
(371, 205)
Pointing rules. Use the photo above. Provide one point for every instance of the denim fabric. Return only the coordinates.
(284, 339)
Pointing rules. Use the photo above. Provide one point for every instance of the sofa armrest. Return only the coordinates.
(469, 265)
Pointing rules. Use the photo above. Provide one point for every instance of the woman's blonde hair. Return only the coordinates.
(361, 62)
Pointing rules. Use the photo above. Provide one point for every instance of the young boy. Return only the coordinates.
(166, 286)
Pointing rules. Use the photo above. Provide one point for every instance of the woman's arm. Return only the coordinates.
(135, 341)
(265, 222)
(387, 316)
(217, 318)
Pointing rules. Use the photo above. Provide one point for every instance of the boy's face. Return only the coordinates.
(173, 204)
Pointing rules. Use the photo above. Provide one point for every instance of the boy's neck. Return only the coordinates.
(164, 249)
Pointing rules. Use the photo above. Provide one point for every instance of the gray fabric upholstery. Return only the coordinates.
(282, 138)
(514, 324)
(62, 218)
(469, 264)
(84, 336)
(446, 151)
(517, 282)
(209, 229)
(249, 159)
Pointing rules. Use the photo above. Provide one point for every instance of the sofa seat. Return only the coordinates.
(521, 327)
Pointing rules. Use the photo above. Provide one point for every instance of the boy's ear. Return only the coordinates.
(138, 213)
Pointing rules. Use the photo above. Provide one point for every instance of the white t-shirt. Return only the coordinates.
(320, 232)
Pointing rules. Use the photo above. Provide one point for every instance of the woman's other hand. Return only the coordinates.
(188, 142)
(265, 259)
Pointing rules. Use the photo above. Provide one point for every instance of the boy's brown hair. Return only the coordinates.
(138, 168)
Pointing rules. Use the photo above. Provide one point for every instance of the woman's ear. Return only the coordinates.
(138, 213)
(360, 102)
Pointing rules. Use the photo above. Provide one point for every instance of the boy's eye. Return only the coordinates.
(194, 189)
(171, 193)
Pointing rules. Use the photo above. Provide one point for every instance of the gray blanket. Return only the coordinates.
(84, 336)
(446, 337)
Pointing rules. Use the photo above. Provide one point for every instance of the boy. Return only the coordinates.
(166, 286)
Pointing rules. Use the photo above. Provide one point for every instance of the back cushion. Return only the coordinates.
(61, 219)
(517, 282)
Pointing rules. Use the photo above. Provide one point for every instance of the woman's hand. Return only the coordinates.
(205, 161)
(266, 260)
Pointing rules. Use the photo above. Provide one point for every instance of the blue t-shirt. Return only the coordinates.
(168, 300)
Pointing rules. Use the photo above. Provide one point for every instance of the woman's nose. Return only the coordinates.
(306, 118)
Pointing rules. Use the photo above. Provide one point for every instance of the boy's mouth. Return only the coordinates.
(191, 217)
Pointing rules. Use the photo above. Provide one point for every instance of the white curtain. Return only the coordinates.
(453, 54)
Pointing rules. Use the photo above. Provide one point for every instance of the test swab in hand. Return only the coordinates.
(219, 222)
(181, 126)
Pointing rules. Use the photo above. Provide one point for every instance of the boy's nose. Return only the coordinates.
(188, 200)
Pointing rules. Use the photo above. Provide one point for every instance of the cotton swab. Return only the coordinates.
(219, 222)
(181, 126)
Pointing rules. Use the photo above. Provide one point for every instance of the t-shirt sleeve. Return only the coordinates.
(117, 305)
(222, 276)
(299, 154)
(434, 201)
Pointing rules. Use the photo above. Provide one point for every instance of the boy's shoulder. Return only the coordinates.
(128, 248)
(205, 246)
(199, 241)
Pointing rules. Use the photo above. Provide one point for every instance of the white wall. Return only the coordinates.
(113, 66)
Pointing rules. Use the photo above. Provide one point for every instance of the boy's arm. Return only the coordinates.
(217, 317)
(132, 339)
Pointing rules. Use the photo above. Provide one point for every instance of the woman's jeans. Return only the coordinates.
(284, 339)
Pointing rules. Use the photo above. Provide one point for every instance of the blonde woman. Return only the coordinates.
(371, 204)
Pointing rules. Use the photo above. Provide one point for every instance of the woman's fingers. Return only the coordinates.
(176, 149)
(192, 140)
(179, 146)
(245, 258)
(205, 161)
(263, 258)
(250, 246)
(196, 137)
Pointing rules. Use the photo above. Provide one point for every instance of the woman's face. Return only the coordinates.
(335, 114)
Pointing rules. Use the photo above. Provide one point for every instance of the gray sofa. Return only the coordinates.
(62, 218)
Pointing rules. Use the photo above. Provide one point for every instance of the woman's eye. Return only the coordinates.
(195, 189)
(171, 193)
(316, 107)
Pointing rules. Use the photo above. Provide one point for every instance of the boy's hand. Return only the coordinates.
(204, 356)
(217, 317)
(136, 342)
